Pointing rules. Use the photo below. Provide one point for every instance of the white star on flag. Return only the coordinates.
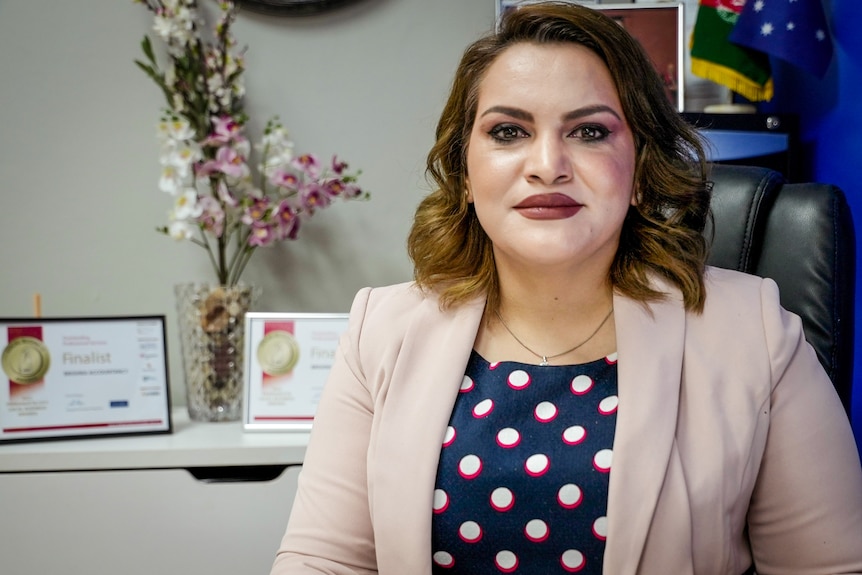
(796, 31)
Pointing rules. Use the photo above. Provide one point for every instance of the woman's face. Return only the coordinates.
(551, 158)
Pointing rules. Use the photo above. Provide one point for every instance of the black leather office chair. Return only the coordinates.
(801, 236)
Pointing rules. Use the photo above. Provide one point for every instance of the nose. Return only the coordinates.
(548, 161)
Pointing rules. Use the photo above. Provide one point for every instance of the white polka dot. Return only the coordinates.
(536, 530)
(441, 501)
(570, 496)
(519, 379)
(449, 438)
(493, 365)
(545, 412)
(581, 384)
(573, 560)
(508, 437)
(602, 460)
(443, 559)
(600, 528)
(537, 464)
(506, 561)
(574, 435)
(608, 405)
(611, 359)
(470, 466)
(470, 531)
(502, 499)
(466, 384)
(483, 408)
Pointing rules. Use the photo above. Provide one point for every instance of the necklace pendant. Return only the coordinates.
(544, 360)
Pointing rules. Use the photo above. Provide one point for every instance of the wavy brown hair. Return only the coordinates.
(662, 234)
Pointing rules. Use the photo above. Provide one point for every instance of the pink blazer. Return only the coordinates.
(726, 423)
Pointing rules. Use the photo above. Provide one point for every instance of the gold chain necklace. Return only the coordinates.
(545, 358)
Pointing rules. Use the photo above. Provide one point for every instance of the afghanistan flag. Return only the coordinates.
(715, 57)
(793, 30)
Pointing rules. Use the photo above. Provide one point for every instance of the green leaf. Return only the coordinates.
(147, 47)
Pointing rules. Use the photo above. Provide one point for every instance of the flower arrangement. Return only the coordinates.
(220, 203)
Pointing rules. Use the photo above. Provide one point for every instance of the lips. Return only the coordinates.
(548, 207)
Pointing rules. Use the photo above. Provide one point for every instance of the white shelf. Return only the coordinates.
(192, 444)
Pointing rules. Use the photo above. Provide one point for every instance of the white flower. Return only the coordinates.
(171, 180)
(171, 131)
(187, 206)
(181, 230)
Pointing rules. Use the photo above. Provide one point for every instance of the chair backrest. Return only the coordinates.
(801, 236)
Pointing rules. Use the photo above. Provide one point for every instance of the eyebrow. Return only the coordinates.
(573, 115)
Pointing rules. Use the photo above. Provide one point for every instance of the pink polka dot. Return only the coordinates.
(467, 384)
(506, 561)
(536, 530)
(573, 560)
(493, 365)
(608, 405)
(602, 460)
(470, 467)
(537, 464)
(483, 408)
(470, 532)
(444, 559)
(502, 499)
(449, 438)
(508, 437)
(611, 359)
(574, 435)
(581, 384)
(441, 501)
(545, 412)
(519, 379)
(600, 528)
(570, 496)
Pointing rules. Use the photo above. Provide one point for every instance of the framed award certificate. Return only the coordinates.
(288, 358)
(80, 377)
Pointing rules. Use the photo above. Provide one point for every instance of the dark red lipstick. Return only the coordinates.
(548, 207)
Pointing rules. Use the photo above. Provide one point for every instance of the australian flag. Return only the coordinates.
(793, 30)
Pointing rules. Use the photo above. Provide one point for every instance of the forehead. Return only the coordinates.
(548, 72)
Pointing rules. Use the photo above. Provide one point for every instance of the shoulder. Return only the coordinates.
(744, 313)
(381, 316)
(389, 304)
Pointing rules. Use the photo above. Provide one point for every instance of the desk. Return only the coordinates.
(207, 499)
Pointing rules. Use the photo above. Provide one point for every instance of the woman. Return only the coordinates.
(566, 386)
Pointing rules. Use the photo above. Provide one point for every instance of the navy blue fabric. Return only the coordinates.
(498, 504)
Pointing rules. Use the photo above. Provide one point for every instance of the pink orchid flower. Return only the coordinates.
(308, 163)
(227, 161)
(283, 179)
(314, 197)
(261, 235)
(288, 221)
(225, 130)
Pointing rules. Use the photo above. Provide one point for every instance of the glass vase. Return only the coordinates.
(212, 342)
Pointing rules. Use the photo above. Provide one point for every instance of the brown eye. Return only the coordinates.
(506, 133)
(591, 132)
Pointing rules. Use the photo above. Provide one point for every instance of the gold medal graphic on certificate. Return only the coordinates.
(25, 360)
(278, 353)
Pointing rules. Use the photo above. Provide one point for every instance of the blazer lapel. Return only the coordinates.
(649, 351)
(424, 384)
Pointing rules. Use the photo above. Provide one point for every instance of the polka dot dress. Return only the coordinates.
(522, 483)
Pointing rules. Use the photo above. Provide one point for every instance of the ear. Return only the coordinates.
(635, 199)
(468, 193)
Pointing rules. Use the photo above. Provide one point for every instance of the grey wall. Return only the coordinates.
(78, 155)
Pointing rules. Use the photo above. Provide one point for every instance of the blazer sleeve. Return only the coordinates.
(329, 530)
(805, 515)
